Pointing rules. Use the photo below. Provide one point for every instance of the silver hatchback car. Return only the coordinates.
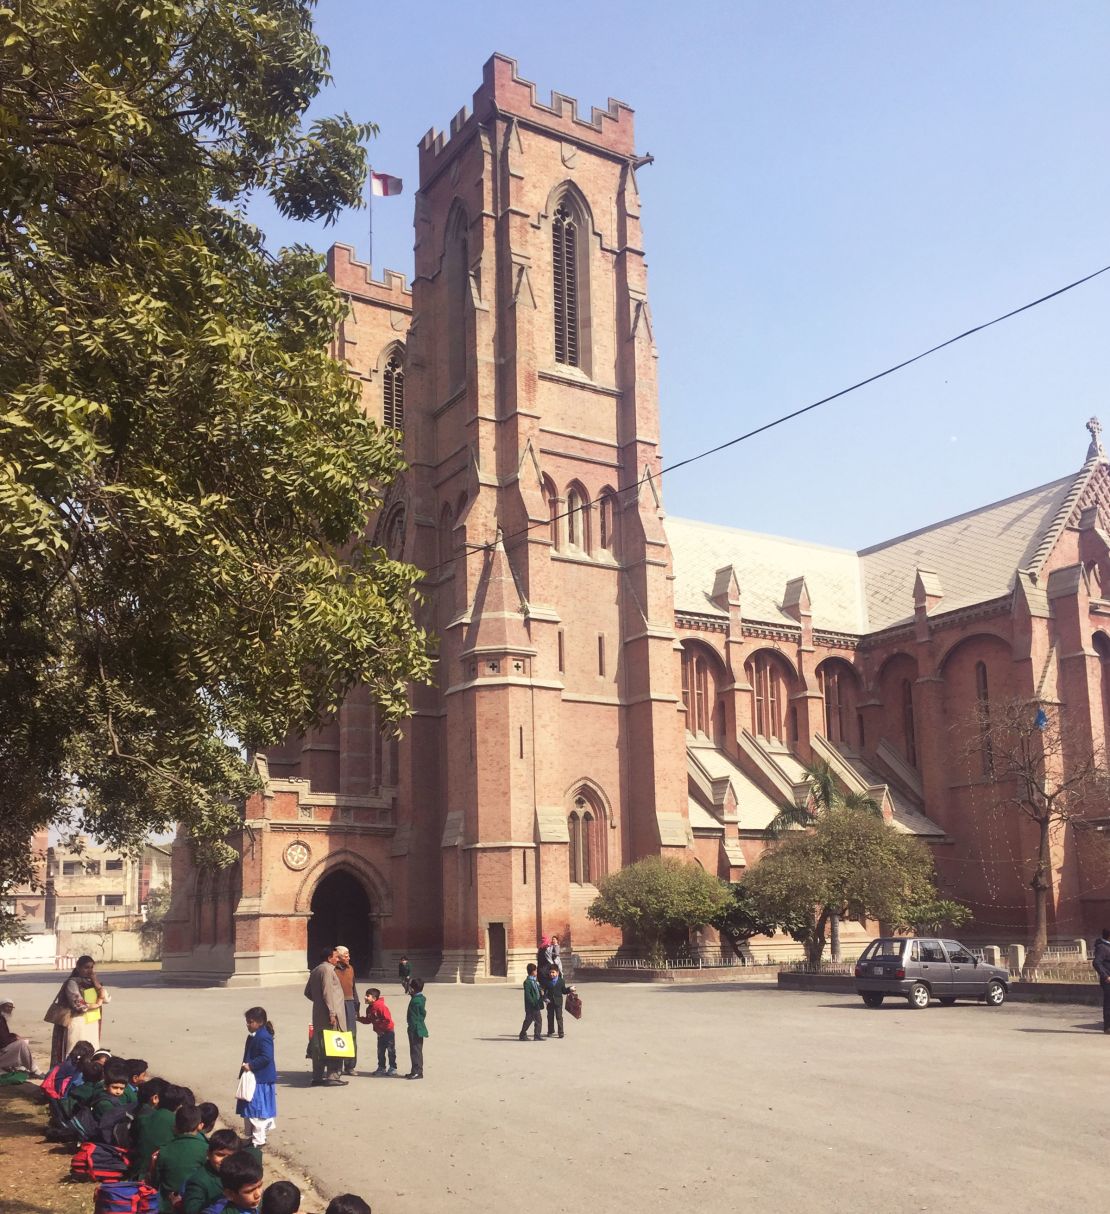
(922, 969)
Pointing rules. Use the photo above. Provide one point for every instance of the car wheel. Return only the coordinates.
(995, 995)
(919, 996)
(948, 1001)
(873, 999)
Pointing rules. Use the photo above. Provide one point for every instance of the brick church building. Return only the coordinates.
(613, 683)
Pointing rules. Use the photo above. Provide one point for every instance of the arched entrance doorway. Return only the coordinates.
(341, 915)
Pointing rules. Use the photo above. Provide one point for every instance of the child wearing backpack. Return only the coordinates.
(180, 1157)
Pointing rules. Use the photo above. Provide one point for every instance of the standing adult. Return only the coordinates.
(327, 1013)
(345, 972)
(1100, 959)
(556, 955)
(15, 1051)
(418, 1028)
(75, 1018)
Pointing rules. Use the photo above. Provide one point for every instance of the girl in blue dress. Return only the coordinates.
(260, 1112)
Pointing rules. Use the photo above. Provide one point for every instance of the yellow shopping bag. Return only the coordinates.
(338, 1044)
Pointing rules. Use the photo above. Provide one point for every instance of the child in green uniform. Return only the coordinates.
(418, 1028)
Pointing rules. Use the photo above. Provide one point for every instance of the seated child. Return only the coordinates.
(136, 1077)
(203, 1187)
(209, 1115)
(348, 1203)
(241, 1177)
(282, 1197)
(378, 1015)
(180, 1157)
(115, 1087)
(151, 1131)
(88, 1087)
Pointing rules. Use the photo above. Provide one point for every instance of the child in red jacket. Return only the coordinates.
(377, 1014)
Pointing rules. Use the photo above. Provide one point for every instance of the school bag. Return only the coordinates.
(125, 1197)
(52, 1087)
(98, 1161)
(113, 1127)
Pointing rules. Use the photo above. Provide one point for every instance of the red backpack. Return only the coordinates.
(128, 1197)
(98, 1161)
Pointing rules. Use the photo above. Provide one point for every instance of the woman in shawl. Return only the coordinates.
(76, 1010)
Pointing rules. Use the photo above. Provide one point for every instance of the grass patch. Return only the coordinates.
(34, 1173)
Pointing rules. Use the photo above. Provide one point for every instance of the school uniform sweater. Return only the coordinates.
(177, 1161)
(201, 1189)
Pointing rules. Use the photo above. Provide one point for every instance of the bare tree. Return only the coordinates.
(1044, 771)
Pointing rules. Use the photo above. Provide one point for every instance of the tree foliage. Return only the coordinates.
(851, 864)
(656, 899)
(186, 476)
(744, 916)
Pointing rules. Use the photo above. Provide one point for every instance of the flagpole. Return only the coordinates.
(370, 209)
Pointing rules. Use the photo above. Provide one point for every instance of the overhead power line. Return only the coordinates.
(786, 417)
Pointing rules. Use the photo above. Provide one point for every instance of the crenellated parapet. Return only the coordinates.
(355, 278)
(504, 92)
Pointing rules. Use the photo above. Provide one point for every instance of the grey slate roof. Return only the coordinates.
(974, 555)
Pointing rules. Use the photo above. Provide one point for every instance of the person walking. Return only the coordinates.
(404, 973)
(1100, 959)
(533, 1005)
(345, 972)
(259, 1114)
(327, 1013)
(15, 1051)
(74, 1017)
(418, 1028)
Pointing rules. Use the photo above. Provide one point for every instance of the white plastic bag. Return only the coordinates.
(247, 1084)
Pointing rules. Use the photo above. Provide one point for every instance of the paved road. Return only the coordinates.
(663, 1098)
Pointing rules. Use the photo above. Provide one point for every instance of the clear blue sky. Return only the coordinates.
(836, 186)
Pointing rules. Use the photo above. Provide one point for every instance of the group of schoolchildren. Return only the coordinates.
(156, 1150)
(545, 987)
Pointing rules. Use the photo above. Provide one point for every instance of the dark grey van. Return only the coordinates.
(922, 969)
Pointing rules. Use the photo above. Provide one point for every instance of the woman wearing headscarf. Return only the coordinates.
(74, 1017)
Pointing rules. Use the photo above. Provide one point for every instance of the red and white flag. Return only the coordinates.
(382, 185)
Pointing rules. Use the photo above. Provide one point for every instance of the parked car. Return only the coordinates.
(922, 969)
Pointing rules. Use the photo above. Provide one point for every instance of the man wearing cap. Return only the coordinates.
(345, 972)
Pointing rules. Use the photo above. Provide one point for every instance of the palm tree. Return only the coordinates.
(823, 794)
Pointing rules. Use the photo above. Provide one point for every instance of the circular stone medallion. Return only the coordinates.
(297, 855)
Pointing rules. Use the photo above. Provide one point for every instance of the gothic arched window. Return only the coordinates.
(551, 498)
(606, 522)
(564, 255)
(393, 394)
(908, 730)
(577, 520)
(769, 694)
(583, 829)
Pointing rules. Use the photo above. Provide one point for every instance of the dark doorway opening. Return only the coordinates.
(498, 954)
(341, 915)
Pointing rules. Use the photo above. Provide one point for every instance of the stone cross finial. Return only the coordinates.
(1094, 428)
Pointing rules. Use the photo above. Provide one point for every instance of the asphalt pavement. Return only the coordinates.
(661, 1098)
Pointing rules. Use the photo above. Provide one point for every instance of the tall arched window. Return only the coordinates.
(583, 829)
(393, 394)
(564, 256)
(698, 692)
(982, 696)
(908, 731)
(839, 685)
(606, 522)
(577, 519)
(769, 694)
(1102, 648)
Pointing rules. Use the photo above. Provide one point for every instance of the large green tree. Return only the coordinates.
(849, 863)
(658, 901)
(186, 476)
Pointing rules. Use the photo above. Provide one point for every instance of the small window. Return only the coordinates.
(92, 868)
(393, 392)
(601, 655)
(69, 868)
(562, 653)
(113, 899)
(113, 866)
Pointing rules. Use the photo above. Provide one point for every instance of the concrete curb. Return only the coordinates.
(1020, 992)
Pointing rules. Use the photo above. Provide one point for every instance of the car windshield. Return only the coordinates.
(884, 950)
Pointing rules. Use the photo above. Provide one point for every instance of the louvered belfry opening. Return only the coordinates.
(394, 394)
(564, 250)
